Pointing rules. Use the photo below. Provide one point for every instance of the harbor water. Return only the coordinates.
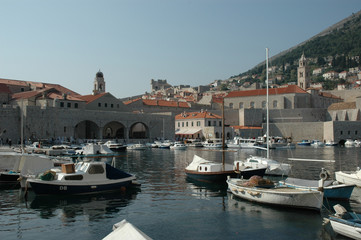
(170, 206)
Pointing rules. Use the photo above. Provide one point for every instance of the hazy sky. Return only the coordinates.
(191, 42)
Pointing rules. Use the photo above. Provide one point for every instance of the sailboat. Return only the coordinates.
(204, 170)
(273, 167)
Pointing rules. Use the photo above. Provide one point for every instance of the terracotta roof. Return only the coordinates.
(131, 101)
(271, 91)
(4, 88)
(90, 98)
(13, 82)
(49, 92)
(342, 106)
(197, 115)
(164, 103)
(329, 95)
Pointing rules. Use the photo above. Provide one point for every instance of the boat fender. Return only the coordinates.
(324, 174)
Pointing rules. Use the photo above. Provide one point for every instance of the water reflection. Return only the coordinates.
(94, 206)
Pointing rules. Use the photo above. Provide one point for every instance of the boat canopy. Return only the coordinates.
(193, 166)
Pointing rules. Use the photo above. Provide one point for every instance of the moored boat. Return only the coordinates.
(82, 178)
(266, 192)
(304, 143)
(178, 146)
(137, 146)
(115, 146)
(349, 177)
(346, 223)
(273, 167)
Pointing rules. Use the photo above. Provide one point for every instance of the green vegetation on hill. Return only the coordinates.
(340, 46)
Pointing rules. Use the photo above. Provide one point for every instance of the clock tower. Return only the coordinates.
(303, 73)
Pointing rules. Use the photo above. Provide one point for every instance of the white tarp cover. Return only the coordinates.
(33, 164)
(126, 230)
(195, 163)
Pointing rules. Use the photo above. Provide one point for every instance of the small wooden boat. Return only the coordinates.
(349, 177)
(346, 223)
(82, 178)
(332, 189)
(263, 191)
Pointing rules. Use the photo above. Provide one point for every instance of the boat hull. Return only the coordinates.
(61, 188)
(285, 197)
(9, 177)
(346, 228)
(348, 178)
(209, 177)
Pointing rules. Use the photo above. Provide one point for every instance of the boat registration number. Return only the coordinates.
(63, 188)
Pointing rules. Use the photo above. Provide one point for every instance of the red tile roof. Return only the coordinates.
(165, 103)
(131, 101)
(271, 91)
(49, 92)
(197, 115)
(90, 98)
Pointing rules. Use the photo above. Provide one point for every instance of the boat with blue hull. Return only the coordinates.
(82, 178)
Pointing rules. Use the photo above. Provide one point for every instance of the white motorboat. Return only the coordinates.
(115, 146)
(243, 143)
(346, 223)
(178, 146)
(82, 178)
(317, 143)
(136, 146)
(350, 143)
(212, 144)
(94, 150)
(273, 167)
(264, 191)
(126, 230)
(349, 177)
(330, 143)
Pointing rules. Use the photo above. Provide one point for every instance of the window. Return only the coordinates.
(65, 129)
(231, 105)
(263, 104)
(209, 123)
(192, 124)
(76, 105)
(251, 104)
(112, 105)
(69, 105)
(99, 104)
(186, 124)
(74, 177)
(178, 124)
(220, 123)
(182, 124)
(96, 169)
(275, 103)
(117, 105)
(198, 123)
(214, 123)
(356, 132)
(105, 104)
(240, 105)
(341, 132)
(61, 104)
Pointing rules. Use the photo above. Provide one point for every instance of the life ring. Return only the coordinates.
(324, 174)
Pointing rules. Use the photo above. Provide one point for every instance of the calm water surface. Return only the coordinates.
(168, 206)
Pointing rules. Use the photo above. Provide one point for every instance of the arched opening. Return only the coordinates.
(138, 131)
(114, 130)
(86, 130)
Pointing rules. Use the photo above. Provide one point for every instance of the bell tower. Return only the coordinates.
(303, 73)
(99, 83)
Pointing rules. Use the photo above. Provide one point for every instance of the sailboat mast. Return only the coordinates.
(223, 153)
(267, 107)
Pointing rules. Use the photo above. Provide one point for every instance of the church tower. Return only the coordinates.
(99, 83)
(303, 73)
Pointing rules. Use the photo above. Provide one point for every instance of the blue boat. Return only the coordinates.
(82, 178)
(304, 143)
(331, 189)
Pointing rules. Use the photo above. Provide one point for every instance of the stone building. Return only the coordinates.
(200, 125)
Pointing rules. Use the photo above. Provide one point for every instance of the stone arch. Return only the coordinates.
(86, 130)
(138, 131)
(113, 130)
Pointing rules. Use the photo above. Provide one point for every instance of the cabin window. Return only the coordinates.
(74, 177)
(205, 169)
(96, 169)
(200, 168)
